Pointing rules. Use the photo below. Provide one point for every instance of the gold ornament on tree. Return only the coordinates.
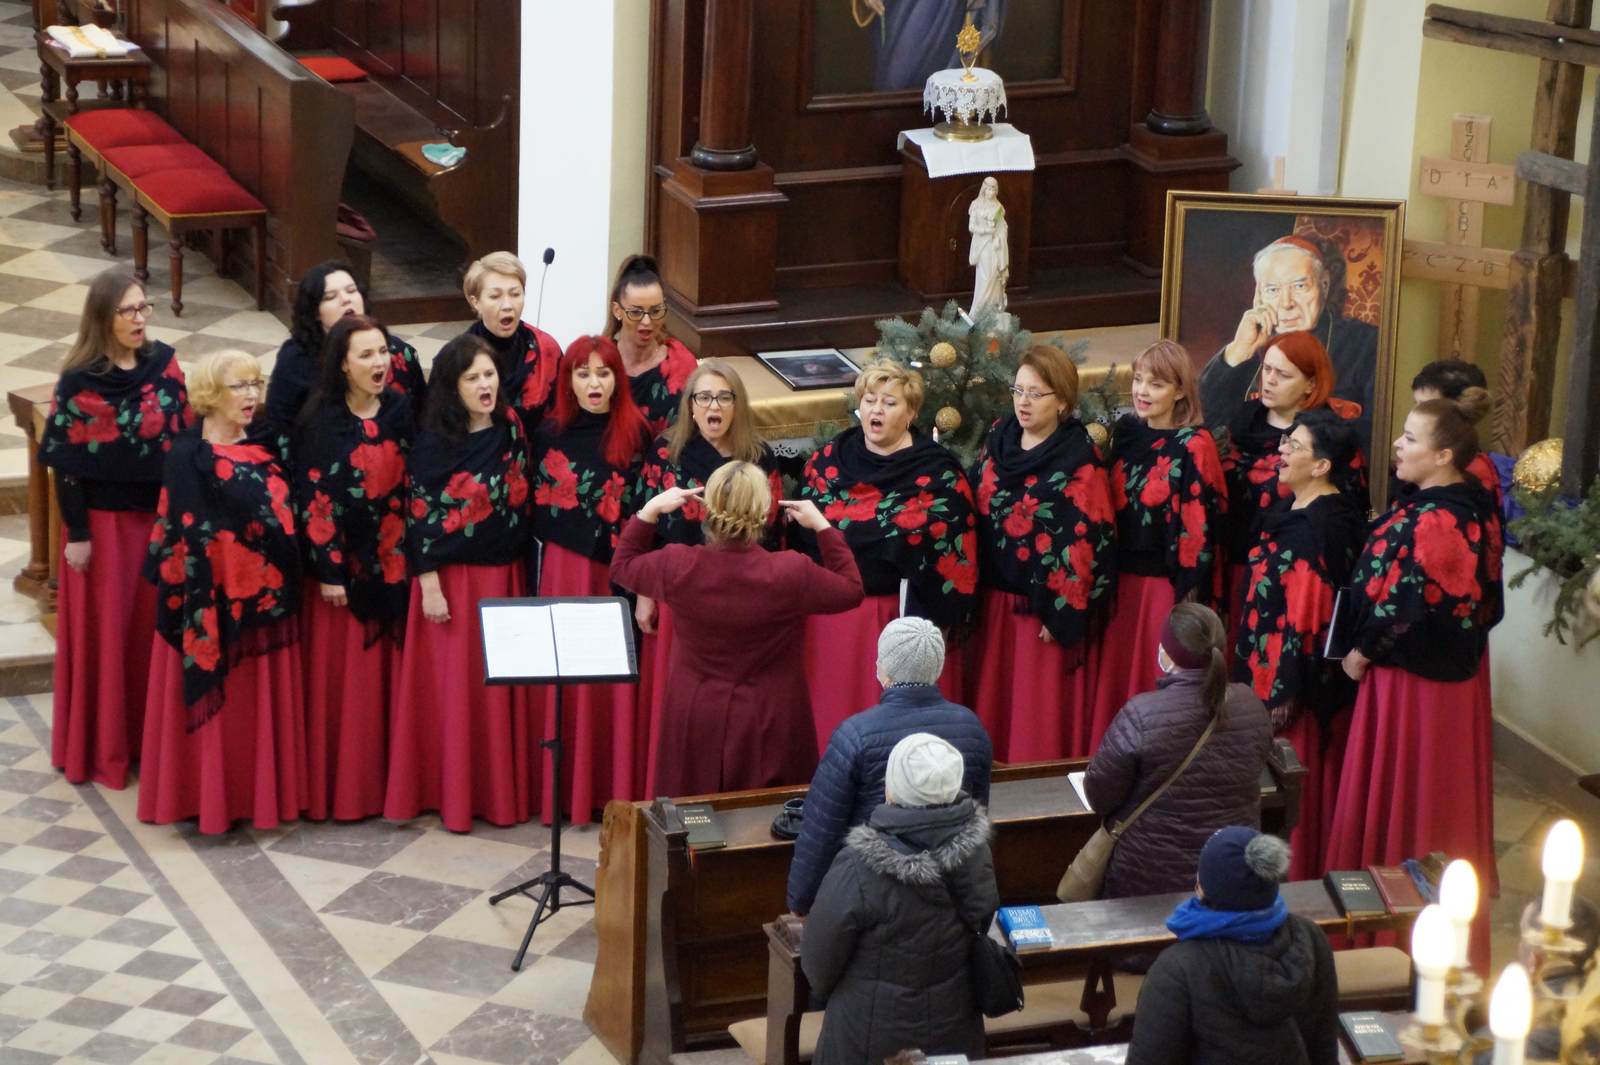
(942, 354)
(948, 420)
(1099, 434)
(1539, 466)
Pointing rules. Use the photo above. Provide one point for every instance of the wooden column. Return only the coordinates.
(724, 142)
(1580, 458)
(1538, 269)
(1180, 91)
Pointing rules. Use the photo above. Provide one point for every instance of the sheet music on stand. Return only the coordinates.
(557, 639)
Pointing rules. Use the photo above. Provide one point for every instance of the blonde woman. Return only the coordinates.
(118, 405)
(224, 733)
(737, 712)
(496, 287)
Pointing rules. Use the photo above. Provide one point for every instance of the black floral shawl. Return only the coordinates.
(579, 500)
(906, 516)
(1427, 583)
(692, 470)
(469, 497)
(657, 391)
(1171, 500)
(117, 425)
(526, 361)
(295, 373)
(224, 562)
(1046, 526)
(1251, 466)
(1298, 565)
(350, 496)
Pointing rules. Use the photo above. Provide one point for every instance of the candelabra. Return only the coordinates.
(1553, 989)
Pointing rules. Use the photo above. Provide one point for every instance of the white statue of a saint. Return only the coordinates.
(991, 255)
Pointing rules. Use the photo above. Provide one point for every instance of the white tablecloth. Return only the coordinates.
(1008, 149)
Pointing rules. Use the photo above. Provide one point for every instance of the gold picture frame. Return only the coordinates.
(1212, 239)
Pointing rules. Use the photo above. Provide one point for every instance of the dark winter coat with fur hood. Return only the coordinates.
(884, 944)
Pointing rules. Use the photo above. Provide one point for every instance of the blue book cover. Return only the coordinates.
(1026, 927)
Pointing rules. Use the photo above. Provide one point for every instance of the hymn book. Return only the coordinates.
(705, 827)
(1026, 927)
(1355, 893)
(1370, 1037)
(1399, 891)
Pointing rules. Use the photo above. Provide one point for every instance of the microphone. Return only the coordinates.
(549, 257)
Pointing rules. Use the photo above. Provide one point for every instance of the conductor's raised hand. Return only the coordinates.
(668, 501)
(804, 513)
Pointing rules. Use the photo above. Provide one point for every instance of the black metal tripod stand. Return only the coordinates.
(553, 879)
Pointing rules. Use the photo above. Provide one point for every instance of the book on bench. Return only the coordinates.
(1026, 927)
(1398, 890)
(1371, 1038)
(705, 827)
(1355, 893)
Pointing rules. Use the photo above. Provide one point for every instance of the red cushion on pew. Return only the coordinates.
(197, 191)
(332, 68)
(121, 127)
(142, 159)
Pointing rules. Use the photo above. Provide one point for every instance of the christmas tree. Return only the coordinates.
(967, 370)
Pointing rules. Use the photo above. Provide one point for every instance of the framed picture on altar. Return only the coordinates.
(1239, 269)
(811, 367)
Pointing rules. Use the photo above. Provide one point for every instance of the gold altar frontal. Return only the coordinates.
(782, 413)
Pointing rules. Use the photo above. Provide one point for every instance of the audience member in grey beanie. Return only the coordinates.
(885, 945)
(1148, 740)
(1247, 983)
(849, 781)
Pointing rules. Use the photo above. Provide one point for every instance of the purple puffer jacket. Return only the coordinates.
(1149, 737)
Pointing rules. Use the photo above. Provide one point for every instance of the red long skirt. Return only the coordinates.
(1237, 576)
(842, 663)
(1418, 776)
(456, 744)
(655, 655)
(349, 687)
(604, 729)
(247, 762)
(1124, 661)
(1309, 841)
(105, 620)
(1033, 702)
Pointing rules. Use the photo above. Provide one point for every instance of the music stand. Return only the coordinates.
(556, 640)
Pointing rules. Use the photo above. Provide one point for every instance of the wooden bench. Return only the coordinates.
(1090, 937)
(681, 952)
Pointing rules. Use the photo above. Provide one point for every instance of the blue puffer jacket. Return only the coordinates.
(848, 784)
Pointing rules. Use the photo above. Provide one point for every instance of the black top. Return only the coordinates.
(469, 498)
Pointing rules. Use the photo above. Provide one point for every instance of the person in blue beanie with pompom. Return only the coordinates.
(1248, 982)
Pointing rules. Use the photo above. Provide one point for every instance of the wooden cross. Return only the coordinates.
(1564, 46)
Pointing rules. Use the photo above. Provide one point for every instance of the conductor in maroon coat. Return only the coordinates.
(737, 712)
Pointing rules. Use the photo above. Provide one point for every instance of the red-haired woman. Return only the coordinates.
(1170, 495)
(224, 731)
(457, 745)
(1048, 539)
(658, 366)
(1418, 774)
(1295, 376)
(349, 487)
(586, 459)
(905, 507)
(118, 404)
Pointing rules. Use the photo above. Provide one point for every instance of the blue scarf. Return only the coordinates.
(1193, 919)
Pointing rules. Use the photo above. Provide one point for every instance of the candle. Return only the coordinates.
(1433, 948)
(1458, 896)
(1563, 859)
(1510, 1014)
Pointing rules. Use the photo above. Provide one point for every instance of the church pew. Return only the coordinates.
(1090, 937)
(279, 130)
(681, 953)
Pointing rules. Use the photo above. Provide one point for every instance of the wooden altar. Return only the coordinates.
(775, 208)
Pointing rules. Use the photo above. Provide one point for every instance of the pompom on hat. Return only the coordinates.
(1240, 868)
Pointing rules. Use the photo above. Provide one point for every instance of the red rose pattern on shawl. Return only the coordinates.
(1288, 608)
(382, 466)
(663, 385)
(1443, 571)
(1194, 499)
(468, 500)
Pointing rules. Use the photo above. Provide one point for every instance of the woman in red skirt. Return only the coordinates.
(118, 404)
(1295, 376)
(658, 366)
(586, 459)
(349, 482)
(224, 732)
(905, 507)
(1419, 770)
(1170, 495)
(457, 745)
(1301, 559)
(714, 426)
(1048, 536)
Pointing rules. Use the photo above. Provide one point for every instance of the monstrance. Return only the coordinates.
(969, 98)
